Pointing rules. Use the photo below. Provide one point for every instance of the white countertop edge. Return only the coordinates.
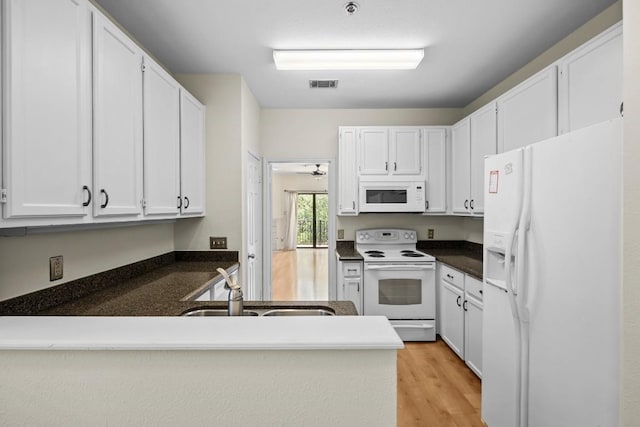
(204, 333)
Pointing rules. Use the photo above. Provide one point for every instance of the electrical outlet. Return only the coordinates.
(430, 233)
(55, 268)
(218, 242)
(341, 234)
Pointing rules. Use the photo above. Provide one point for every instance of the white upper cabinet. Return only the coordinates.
(460, 166)
(590, 86)
(528, 113)
(436, 170)
(161, 141)
(192, 170)
(473, 138)
(483, 143)
(405, 153)
(117, 143)
(374, 151)
(347, 172)
(47, 108)
(385, 151)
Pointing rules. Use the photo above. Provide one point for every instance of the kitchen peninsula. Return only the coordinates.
(170, 370)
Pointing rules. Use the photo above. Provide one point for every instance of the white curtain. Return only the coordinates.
(291, 222)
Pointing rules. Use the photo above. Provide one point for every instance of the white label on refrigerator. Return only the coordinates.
(493, 182)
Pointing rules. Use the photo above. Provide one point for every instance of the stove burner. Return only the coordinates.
(373, 252)
(376, 255)
(413, 255)
(407, 251)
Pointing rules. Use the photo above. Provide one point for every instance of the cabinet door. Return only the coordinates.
(460, 165)
(373, 151)
(590, 86)
(529, 112)
(436, 170)
(47, 91)
(117, 144)
(473, 334)
(352, 292)
(347, 174)
(192, 171)
(452, 317)
(406, 151)
(483, 143)
(161, 140)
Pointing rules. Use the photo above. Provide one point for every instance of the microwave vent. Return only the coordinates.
(323, 84)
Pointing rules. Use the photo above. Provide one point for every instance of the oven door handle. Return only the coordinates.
(403, 267)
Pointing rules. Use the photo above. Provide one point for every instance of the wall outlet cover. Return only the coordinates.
(55, 268)
(341, 233)
(218, 242)
(430, 233)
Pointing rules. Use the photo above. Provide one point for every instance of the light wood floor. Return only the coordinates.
(435, 388)
(300, 275)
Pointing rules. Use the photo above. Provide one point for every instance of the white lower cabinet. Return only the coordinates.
(350, 283)
(460, 308)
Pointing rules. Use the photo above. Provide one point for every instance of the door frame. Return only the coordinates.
(268, 218)
(255, 292)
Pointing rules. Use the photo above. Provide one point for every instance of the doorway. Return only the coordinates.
(299, 206)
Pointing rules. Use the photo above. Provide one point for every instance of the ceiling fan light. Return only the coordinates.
(387, 59)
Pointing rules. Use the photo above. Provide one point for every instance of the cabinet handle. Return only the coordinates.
(458, 301)
(466, 204)
(622, 109)
(85, 188)
(449, 276)
(186, 205)
(464, 305)
(106, 198)
(481, 293)
(395, 166)
(386, 166)
(179, 202)
(354, 205)
(426, 205)
(471, 204)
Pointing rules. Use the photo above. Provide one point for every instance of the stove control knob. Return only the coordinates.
(366, 236)
(411, 235)
(406, 235)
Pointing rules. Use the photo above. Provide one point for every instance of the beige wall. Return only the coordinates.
(198, 388)
(313, 133)
(24, 261)
(221, 94)
(590, 29)
(631, 245)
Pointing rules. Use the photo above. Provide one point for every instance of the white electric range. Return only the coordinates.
(399, 281)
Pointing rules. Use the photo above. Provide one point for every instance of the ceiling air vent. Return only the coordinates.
(323, 84)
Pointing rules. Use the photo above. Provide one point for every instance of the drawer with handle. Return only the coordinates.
(473, 287)
(455, 277)
(351, 269)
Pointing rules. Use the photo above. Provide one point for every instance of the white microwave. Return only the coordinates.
(392, 196)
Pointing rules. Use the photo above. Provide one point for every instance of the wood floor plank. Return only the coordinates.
(436, 388)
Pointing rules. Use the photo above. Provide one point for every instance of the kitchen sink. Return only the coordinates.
(215, 312)
(310, 311)
(299, 312)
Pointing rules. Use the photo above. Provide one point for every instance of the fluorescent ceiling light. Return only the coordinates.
(398, 59)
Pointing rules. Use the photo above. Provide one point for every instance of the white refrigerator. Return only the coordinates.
(552, 281)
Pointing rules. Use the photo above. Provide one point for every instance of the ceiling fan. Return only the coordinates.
(316, 172)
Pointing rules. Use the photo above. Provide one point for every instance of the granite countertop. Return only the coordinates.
(161, 293)
(461, 255)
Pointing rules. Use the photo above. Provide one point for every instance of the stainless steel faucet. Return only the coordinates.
(235, 299)
(235, 294)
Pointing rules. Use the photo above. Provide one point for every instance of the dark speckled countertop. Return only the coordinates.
(157, 287)
(461, 255)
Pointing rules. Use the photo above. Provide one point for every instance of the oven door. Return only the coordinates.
(400, 291)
